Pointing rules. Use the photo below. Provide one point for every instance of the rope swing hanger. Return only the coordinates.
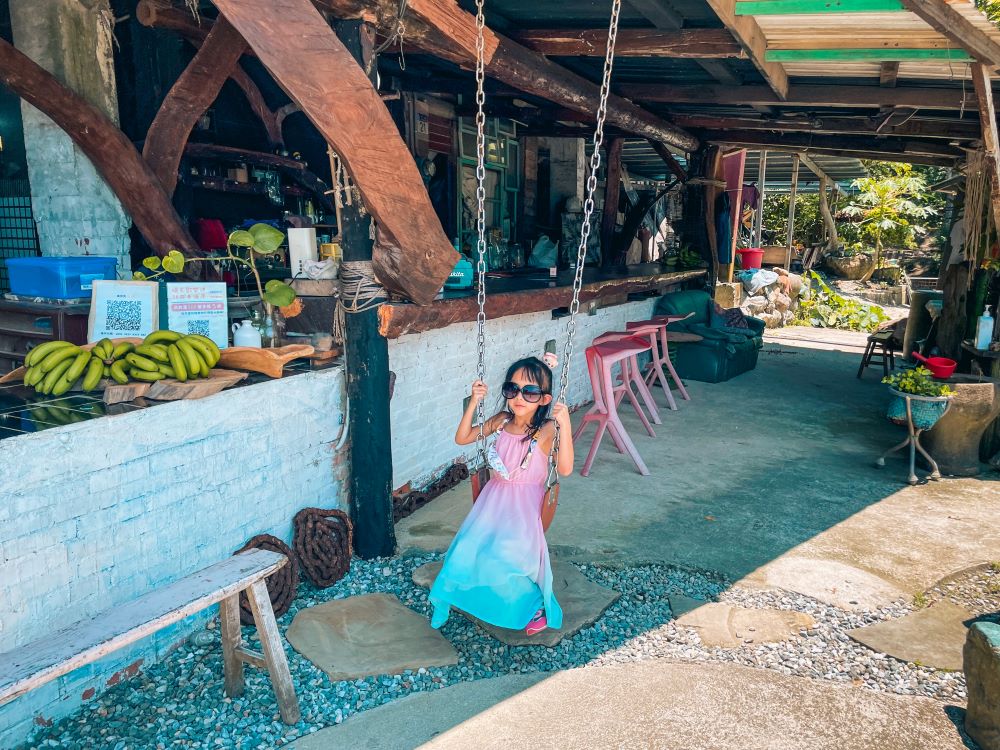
(482, 474)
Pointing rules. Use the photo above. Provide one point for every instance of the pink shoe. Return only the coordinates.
(538, 623)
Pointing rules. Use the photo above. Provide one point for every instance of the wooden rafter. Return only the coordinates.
(111, 152)
(808, 142)
(305, 57)
(189, 97)
(671, 161)
(161, 14)
(804, 96)
(749, 34)
(663, 16)
(958, 28)
(888, 74)
(681, 43)
(908, 125)
(442, 28)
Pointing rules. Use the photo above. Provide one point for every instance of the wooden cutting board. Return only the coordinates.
(270, 362)
(170, 389)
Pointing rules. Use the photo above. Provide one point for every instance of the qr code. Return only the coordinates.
(124, 315)
(198, 326)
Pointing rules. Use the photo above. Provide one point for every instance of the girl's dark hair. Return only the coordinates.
(539, 373)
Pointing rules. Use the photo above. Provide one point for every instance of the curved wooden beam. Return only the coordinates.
(187, 100)
(296, 44)
(107, 147)
(443, 29)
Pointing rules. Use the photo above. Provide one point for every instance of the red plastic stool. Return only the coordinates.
(601, 358)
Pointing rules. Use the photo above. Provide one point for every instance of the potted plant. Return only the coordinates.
(260, 239)
(928, 397)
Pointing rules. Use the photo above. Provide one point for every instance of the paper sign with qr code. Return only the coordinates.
(123, 308)
(199, 307)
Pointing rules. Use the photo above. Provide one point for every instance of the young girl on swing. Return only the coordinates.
(497, 568)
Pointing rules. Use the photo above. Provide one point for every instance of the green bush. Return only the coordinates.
(821, 307)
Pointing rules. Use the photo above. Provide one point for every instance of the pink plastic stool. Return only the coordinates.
(631, 376)
(601, 358)
(661, 356)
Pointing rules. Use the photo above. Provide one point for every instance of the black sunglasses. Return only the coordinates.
(530, 393)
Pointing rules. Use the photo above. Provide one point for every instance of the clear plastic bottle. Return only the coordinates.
(984, 330)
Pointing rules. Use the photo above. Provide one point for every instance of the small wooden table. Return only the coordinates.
(991, 359)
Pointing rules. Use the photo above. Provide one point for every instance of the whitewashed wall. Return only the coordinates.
(100, 512)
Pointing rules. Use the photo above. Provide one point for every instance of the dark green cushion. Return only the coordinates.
(682, 303)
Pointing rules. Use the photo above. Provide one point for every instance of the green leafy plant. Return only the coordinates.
(889, 204)
(824, 308)
(918, 382)
(260, 239)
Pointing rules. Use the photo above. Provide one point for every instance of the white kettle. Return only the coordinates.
(244, 334)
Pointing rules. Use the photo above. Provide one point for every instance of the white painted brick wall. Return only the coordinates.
(435, 369)
(100, 512)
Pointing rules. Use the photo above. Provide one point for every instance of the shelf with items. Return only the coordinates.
(24, 325)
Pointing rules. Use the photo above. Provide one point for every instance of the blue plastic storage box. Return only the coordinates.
(60, 277)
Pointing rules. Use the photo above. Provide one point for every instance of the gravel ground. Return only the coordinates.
(976, 589)
(179, 703)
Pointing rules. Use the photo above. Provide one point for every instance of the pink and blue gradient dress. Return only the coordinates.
(497, 568)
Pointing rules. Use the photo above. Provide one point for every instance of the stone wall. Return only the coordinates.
(98, 513)
(75, 211)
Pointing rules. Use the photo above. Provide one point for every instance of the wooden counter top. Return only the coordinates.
(521, 294)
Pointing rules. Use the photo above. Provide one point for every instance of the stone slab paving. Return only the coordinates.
(726, 626)
(582, 600)
(368, 635)
(681, 605)
(653, 704)
(933, 636)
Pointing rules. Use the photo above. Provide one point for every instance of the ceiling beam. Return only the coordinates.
(803, 96)
(888, 74)
(665, 18)
(445, 30)
(814, 167)
(946, 20)
(877, 54)
(684, 43)
(804, 7)
(908, 126)
(670, 160)
(935, 161)
(809, 142)
(749, 34)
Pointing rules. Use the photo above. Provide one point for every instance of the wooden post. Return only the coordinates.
(988, 122)
(367, 355)
(612, 193)
(758, 224)
(791, 211)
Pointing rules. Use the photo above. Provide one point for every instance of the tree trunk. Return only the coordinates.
(824, 210)
(112, 154)
(952, 323)
(413, 255)
(187, 100)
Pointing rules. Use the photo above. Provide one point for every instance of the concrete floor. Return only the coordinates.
(769, 479)
(651, 705)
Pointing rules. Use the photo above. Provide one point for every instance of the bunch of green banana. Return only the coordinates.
(54, 367)
(168, 354)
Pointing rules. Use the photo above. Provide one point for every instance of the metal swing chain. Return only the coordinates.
(588, 211)
(481, 219)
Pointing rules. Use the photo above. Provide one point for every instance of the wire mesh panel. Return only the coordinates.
(18, 236)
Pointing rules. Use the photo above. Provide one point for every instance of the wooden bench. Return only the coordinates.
(36, 663)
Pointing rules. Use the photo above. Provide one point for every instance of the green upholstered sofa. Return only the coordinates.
(723, 352)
